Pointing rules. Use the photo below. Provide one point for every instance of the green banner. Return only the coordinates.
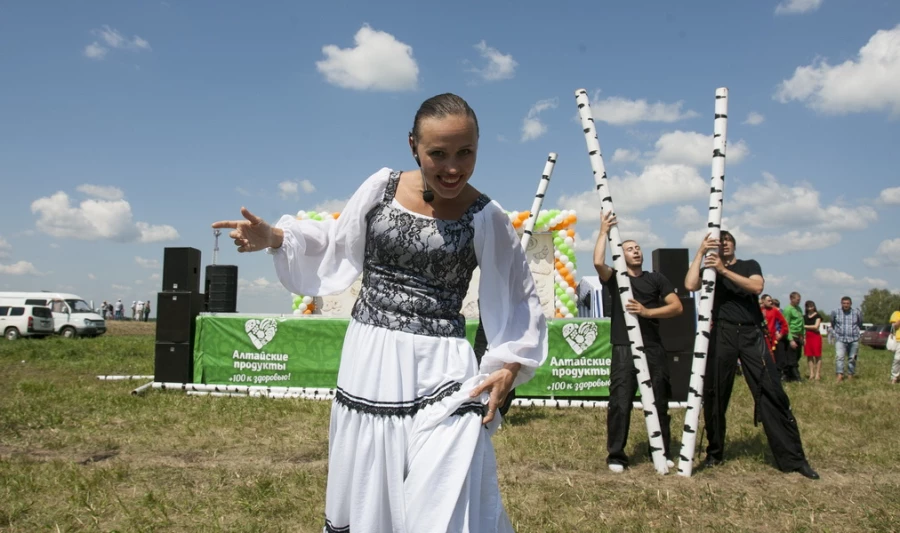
(578, 361)
(268, 351)
(305, 352)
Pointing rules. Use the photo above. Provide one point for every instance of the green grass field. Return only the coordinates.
(79, 454)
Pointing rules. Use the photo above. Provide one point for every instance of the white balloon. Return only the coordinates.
(570, 266)
(570, 241)
(570, 315)
(561, 233)
(302, 307)
(557, 254)
(298, 312)
(570, 291)
(307, 300)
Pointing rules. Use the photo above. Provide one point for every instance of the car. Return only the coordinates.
(72, 316)
(875, 336)
(25, 321)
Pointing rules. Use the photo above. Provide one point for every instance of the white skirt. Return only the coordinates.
(408, 452)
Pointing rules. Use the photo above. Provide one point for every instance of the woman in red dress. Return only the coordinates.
(812, 348)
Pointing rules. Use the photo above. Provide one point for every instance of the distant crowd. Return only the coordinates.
(140, 311)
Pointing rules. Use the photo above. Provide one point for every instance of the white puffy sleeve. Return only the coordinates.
(325, 257)
(511, 312)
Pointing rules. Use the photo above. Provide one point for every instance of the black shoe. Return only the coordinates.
(806, 471)
(711, 462)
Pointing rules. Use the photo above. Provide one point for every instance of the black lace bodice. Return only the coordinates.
(417, 269)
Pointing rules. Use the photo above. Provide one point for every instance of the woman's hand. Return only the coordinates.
(253, 233)
(499, 383)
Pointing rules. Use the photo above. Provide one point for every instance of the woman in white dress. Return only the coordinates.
(410, 436)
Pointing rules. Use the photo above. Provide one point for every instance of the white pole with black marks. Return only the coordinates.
(707, 289)
(651, 417)
(538, 200)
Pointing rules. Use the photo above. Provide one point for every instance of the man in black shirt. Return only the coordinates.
(654, 298)
(738, 333)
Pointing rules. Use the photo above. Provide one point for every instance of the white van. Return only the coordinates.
(72, 316)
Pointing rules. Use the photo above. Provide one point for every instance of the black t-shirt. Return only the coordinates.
(650, 289)
(811, 320)
(734, 304)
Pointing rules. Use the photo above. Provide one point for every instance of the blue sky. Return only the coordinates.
(131, 126)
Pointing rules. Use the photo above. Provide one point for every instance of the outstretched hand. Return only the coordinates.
(499, 383)
(252, 234)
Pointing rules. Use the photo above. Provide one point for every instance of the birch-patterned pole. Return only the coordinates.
(651, 417)
(538, 200)
(707, 290)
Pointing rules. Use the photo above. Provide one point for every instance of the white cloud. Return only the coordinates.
(687, 216)
(22, 268)
(836, 278)
(242, 192)
(635, 229)
(259, 285)
(871, 82)
(138, 282)
(54, 245)
(887, 254)
(769, 204)
(331, 206)
(618, 111)
(146, 263)
(95, 51)
(5, 248)
(95, 219)
(378, 62)
(499, 66)
(532, 127)
(158, 233)
(287, 189)
(101, 191)
(890, 196)
(622, 155)
(773, 280)
(120, 287)
(656, 185)
(113, 39)
(790, 7)
(771, 244)
(754, 119)
(91, 276)
(154, 277)
(692, 148)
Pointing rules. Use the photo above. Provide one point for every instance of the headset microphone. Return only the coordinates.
(427, 195)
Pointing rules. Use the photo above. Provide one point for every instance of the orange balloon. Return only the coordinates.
(571, 233)
(570, 279)
(335, 215)
(563, 271)
(524, 215)
(517, 223)
(307, 312)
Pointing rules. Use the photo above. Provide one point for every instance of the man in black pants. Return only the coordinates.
(737, 333)
(654, 298)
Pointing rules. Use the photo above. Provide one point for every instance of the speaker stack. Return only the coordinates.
(677, 333)
(221, 289)
(177, 307)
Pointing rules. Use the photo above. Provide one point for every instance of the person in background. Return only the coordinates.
(812, 348)
(846, 324)
(796, 335)
(895, 331)
(147, 311)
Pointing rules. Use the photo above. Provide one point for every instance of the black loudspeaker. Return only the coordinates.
(221, 288)
(607, 301)
(181, 270)
(174, 362)
(176, 316)
(677, 333)
(673, 263)
(680, 374)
